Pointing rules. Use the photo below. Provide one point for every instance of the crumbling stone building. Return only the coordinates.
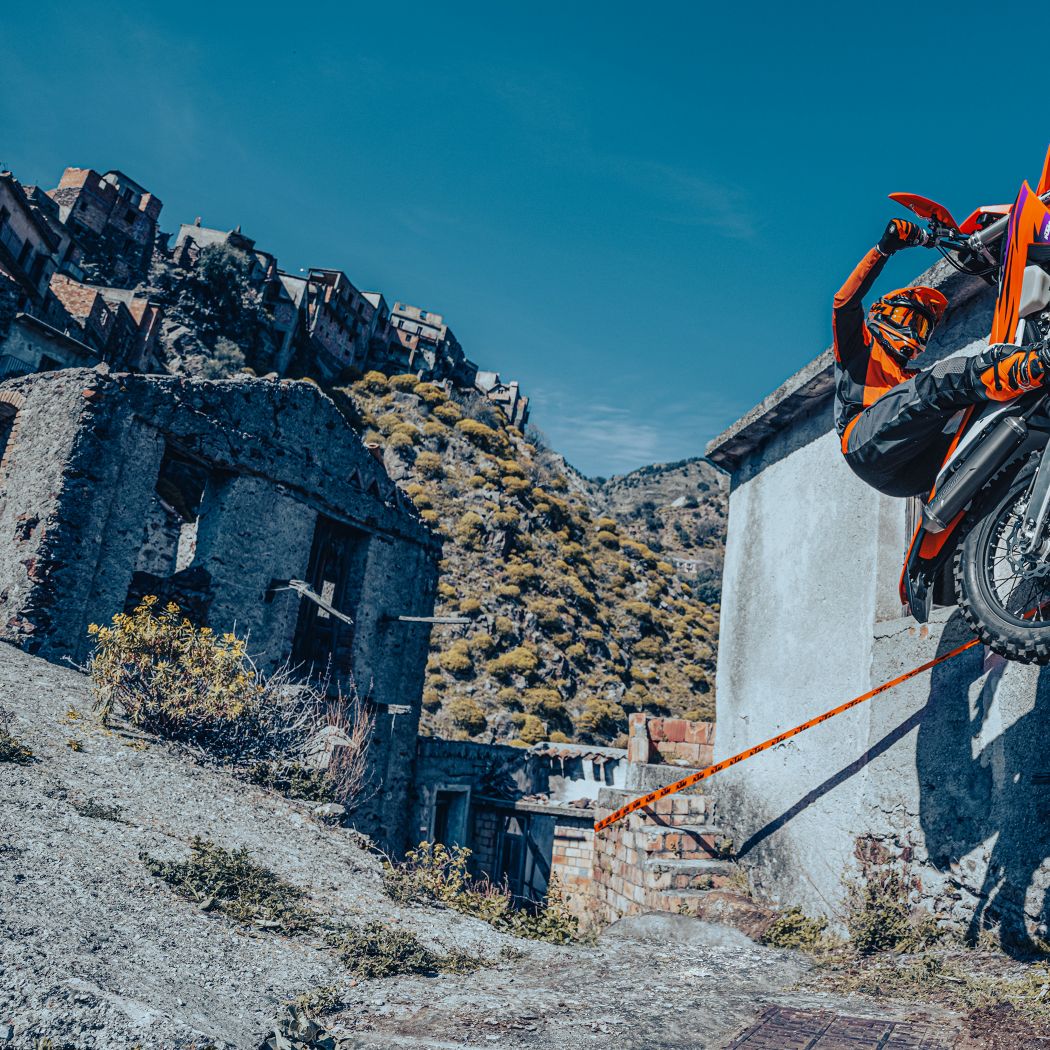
(215, 495)
(113, 221)
(948, 774)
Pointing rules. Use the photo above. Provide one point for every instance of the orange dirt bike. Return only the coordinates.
(986, 522)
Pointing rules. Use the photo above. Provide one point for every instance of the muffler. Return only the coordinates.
(971, 470)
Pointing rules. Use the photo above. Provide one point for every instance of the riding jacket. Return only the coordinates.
(865, 370)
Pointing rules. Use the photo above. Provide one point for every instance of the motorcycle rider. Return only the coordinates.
(892, 418)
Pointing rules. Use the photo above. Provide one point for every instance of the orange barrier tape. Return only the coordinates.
(710, 771)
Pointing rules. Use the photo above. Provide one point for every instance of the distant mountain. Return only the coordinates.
(678, 510)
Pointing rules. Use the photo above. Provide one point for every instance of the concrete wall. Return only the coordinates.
(939, 771)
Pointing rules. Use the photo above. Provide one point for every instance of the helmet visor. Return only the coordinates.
(910, 322)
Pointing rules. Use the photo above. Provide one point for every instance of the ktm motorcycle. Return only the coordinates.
(986, 522)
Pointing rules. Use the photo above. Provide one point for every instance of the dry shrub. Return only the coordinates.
(229, 882)
(436, 873)
(203, 690)
(12, 749)
(377, 950)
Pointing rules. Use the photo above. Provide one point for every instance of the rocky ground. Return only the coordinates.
(97, 953)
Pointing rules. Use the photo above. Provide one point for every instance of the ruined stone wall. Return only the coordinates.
(79, 526)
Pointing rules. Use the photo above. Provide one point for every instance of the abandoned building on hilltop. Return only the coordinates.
(215, 495)
(947, 774)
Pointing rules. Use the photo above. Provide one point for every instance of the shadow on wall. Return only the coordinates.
(978, 782)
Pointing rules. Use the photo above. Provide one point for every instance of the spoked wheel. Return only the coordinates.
(1004, 594)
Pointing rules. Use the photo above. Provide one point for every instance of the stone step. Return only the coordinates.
(671, 874)
(684, 841)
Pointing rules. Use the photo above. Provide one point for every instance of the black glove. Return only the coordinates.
(902, 234)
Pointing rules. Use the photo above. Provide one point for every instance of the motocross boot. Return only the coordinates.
(1004, 371)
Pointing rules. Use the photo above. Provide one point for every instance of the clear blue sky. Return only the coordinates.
(640, 211)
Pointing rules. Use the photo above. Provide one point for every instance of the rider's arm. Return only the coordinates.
(848, 314)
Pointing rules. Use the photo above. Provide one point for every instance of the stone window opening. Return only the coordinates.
(323, 644)
(169, 540)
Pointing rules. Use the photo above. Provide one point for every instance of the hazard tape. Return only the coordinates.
(710, 771)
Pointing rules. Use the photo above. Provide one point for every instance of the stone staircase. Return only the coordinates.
(667, 857)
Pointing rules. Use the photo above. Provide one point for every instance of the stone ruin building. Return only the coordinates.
(215, 495)
(947, 775)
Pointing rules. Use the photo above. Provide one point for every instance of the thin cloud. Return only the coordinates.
(687, 199)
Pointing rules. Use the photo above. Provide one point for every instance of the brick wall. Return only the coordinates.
(674, 740)
(572, 863)
(627, 873)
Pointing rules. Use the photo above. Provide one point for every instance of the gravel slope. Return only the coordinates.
(95, 953)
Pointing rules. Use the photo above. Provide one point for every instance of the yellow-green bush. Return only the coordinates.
(430, 465)
(608, 539)
(168, 675)
(400, 440)
(503, 626)
(388, 422)
(431, 394)
(469, 606)
(601, 719)
(469, 530)
(480, 434)
(375, 382)
(508, 590)
(456, 660)
(532, 730)
(404, 382)
(448, 412)
(467, 714)
(435, 431)
(482, 642)
(520, 660)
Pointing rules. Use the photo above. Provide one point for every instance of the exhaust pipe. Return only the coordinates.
(971, 471)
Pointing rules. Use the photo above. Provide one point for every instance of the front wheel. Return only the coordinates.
(1004, 595)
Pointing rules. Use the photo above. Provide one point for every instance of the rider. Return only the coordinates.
(892, 417)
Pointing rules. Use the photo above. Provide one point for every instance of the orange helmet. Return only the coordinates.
(902, 320)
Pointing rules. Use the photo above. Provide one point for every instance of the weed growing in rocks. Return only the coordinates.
(11, 749)
(377, 950)
(319, 1001)
(437, 873)
(879, 914)
(792, 928)
(96, 810)
(229, 882)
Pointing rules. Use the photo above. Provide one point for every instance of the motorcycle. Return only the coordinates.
(988, 514)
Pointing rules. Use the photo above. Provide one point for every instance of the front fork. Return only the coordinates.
(1033, 529)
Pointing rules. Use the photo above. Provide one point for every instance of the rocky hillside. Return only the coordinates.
(679, 510)
(576, 620)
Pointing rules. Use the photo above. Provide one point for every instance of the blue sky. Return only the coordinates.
(640, 211)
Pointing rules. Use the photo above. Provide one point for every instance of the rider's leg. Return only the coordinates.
(999, 373)
(898, 443)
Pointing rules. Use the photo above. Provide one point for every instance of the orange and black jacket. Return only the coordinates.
(864, 371)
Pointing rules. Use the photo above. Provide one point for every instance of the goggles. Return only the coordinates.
(909, 320)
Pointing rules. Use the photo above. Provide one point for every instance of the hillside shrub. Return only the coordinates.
(479, 434)
(532, 730)
(448, 413)
(400, 440)
(433, 873)
(376, 382)
(467, 714)
(431, 394)
(601, 719)
(469, 530)
(608, 539)
(232, 884)
(435, 431)
(520, 660)
(456, 660)
(404, 382)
